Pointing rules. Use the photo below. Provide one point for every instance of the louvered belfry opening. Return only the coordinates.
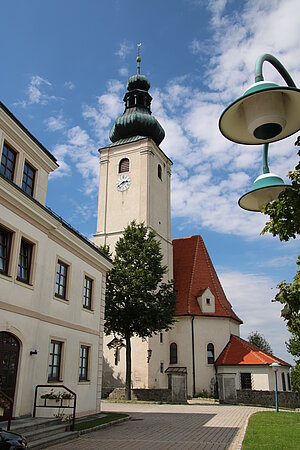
(124, 165)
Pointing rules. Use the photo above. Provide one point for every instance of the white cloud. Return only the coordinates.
(78, 137)
(124, 49)
(123, 72)
(36, 92)
(251, 297)
(69, 85)
(55, 123)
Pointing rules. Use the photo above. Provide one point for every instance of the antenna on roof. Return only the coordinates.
(138, 59)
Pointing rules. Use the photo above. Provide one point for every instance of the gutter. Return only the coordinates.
(193, 356)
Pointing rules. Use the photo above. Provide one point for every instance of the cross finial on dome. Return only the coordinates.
(138, 59)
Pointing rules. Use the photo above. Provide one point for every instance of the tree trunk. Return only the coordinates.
(128, 368)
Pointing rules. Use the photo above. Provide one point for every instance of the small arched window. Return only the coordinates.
(124, 165)
(210, 353)
(159, 171)
(173, 353)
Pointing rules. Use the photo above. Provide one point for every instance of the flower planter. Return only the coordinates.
(65, 402)
(51, 402)
(1, 411)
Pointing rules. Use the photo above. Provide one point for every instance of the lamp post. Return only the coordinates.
(265, 113)
(275, 367)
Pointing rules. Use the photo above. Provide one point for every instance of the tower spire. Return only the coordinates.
(138, 59)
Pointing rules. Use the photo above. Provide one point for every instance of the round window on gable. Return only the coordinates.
(124, 165)
(159, 172)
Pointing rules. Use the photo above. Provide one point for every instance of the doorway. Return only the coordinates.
(9, 359)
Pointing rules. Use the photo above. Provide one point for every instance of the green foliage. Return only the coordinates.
(285, 223)
(105, 249)
(137, 302)
(271, 430)
(295, 377)
(260, 341)
(285, 212)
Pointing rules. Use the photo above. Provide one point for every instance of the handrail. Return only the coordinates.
(61, 400)
(11, 404)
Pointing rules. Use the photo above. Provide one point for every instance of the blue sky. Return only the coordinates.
(65, 66)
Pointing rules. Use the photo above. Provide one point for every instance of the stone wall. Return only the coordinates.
(157, 395)
(267, 398)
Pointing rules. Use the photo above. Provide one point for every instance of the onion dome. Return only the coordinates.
(137, 119)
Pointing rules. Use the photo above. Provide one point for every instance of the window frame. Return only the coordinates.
(289, 381)
(283, 381)
(64, 297)
(159, 171)
(84, 363)
(161, 367)
(89, 305)
(8, 148)
(7, 246)
(24, 242)
(173, 353)
(210, 348)
(245, 378)
(51, 364)
(29, 189)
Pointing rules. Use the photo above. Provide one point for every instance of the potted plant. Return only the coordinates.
(3, 405)
(66, 397)
(51, 398)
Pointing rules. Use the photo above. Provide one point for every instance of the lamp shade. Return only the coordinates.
(266, 188)
(265, 113)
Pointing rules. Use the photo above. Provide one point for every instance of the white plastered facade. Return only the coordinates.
(31, 312)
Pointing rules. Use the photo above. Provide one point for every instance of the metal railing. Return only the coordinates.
(59, 400)
(11, 404)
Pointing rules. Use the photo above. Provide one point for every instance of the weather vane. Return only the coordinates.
(138, 59)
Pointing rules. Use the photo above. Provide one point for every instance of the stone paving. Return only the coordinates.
(163, 427)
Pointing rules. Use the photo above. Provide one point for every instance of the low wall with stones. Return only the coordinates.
(267, 398)
(157, 395)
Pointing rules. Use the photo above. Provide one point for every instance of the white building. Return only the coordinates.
(52, 283)
(135, 185)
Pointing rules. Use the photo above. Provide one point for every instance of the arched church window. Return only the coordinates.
(124, 165)
(173, 353)
(210, 353)
(159, 171)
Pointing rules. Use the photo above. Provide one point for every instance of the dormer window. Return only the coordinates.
(208, 301)
(8, 162)
(124, 165)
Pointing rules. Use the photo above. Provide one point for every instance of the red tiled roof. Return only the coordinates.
(193, 273)
(238, 351)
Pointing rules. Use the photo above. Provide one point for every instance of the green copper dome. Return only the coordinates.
(137, 119)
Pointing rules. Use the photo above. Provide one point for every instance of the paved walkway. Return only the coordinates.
(163, 427)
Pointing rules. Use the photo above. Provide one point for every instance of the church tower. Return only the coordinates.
(135, 173)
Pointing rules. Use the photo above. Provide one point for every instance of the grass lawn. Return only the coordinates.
(272, 431)
(100, 421)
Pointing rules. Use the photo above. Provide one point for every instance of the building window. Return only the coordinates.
(83, 363)
(8, 162)
(208, 301)
(28, 179)
(246, 382)
(5, 245)
(289, 381)
(159, 171)
(161, 368)
(61, 280)
(54, 371)
(161, 337)
(210, 353)
(173, 353)
(87, 293)
(283, 381)
(25, 259)
(124, 165)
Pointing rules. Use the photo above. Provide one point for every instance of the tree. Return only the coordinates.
(137, 301)
(260, 341)
(285, 223)
(295, 377)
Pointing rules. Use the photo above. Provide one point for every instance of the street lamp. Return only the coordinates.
(265, 113)
(275, 367)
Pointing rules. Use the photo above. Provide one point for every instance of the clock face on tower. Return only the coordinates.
(123, 183)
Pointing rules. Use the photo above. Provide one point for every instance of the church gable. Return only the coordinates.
(194, 277)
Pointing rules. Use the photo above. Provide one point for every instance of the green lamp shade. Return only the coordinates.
(265, 113)
(266, 188)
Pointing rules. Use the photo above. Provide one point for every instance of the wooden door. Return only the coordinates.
(9, 358)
